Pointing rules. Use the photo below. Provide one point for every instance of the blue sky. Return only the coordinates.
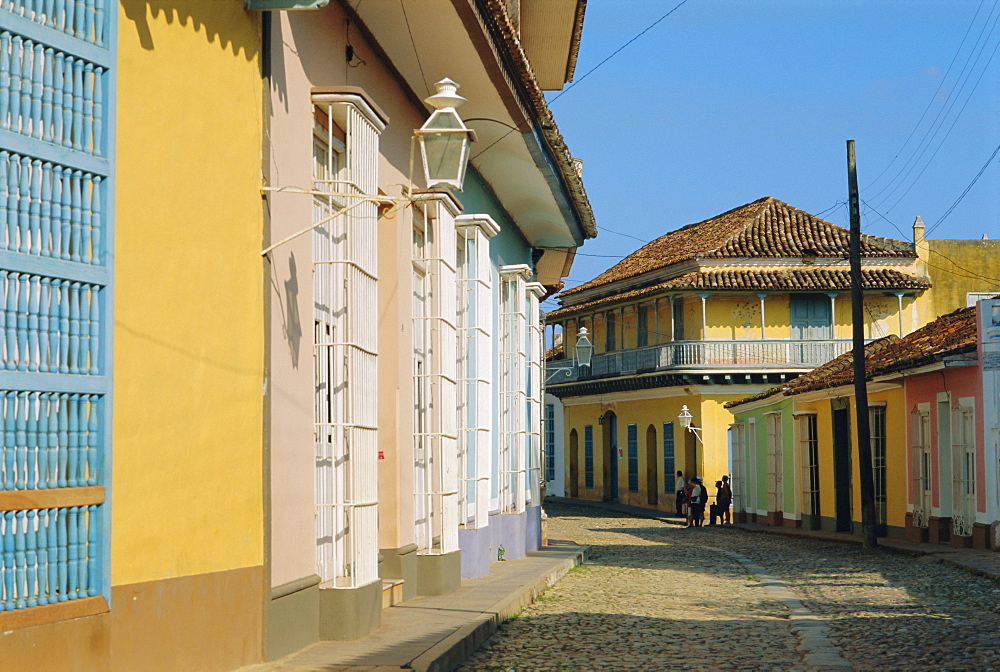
(726, 101)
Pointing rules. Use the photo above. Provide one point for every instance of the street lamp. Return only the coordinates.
(444, 139)
(685, 417)
(584, 348)
(584, 353)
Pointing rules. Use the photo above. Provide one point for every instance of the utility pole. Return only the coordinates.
(864, 442)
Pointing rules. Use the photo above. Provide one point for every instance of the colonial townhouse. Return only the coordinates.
(932, 440)
(710, 313)
(130, 232)
(403, 398)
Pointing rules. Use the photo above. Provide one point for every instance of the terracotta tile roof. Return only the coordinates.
(764, 229)
(811, 279)
(951, 334)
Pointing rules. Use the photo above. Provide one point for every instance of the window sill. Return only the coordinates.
(52, 613)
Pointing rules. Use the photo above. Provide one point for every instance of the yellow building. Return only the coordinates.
(714, 312)
(140, 511)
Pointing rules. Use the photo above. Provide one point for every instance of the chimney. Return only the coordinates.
(918, 231)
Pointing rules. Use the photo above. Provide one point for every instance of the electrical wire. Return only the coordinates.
(966, 191)
(930, 103)
(587, 74)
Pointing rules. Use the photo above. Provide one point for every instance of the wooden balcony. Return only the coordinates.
(714, 355)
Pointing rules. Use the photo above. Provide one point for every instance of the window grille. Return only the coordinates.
(513, 395)
(345, 347)
(669, 465)
(550, 442)
(610, 331)
(750, 465)
(738, 481)
(921, 466)
(435, 323)
(588, 456)
(56, 169)
(475, 417)
(876, 420)
(775, 495)
(632, 433)
(535, 371)
(809, 464)
(963, 430)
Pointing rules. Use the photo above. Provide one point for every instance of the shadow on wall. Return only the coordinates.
(214, 17)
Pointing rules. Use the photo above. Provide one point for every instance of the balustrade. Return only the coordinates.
(716, 354)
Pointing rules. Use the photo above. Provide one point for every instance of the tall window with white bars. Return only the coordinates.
(436, 388)
(475, 366)
(513, 387)
(345, 355)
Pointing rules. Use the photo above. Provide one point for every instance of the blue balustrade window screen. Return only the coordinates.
(633, 458)
(56, 102)
(669, 480)
(588, 456)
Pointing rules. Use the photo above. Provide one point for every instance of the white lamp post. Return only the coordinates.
(444, 139)
(584, 348)
(685, 417)
(584, 352)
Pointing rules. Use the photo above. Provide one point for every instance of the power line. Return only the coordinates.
(966, 191)
(930, 103)
(587, 74)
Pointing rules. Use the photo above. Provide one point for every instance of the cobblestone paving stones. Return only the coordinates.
(654, 596)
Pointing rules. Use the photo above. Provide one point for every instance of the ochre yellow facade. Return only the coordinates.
(702, 453)
(188, 352)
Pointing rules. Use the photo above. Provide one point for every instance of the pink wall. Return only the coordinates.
(961, 381)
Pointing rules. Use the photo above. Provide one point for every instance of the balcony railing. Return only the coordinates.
(696, 355)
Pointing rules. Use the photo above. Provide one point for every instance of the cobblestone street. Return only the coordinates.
(655, 596)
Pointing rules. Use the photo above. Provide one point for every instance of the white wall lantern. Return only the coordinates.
(584, 348)
(685, 418)
(444, 139)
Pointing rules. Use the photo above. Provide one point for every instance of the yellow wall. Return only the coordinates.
(896, 455)
(712, 457)
(956, 267)
(188, 351)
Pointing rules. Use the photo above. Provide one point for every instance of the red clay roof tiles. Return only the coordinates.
(951, 334)
(810, 279)
(764, 229)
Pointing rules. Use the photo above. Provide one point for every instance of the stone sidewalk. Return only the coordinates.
(439, 633)
(980, 562)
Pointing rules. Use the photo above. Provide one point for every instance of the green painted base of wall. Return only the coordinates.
(439, 574)
(292, 618)
(350, 613)
(811, 522)
(400, 564)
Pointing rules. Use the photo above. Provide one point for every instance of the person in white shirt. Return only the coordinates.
(679, 492)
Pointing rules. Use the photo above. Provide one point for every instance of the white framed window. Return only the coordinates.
(737, 439)
(920, 464)
(534, 370)
(475, 370)
(775, 467)
(809, 464)
(513, 389)
(436, 335)
(876, 421)
(963, 447)
(345, 349)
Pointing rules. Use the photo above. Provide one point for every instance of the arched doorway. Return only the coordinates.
(610, 491)
(652, 492)
(574, 464)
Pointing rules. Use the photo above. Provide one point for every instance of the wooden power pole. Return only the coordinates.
(860, 384)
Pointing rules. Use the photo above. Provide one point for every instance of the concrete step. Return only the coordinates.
(392, 592)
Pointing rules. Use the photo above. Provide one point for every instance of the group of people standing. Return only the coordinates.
(692, 496)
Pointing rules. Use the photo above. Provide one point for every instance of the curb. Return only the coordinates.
(455, 649)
